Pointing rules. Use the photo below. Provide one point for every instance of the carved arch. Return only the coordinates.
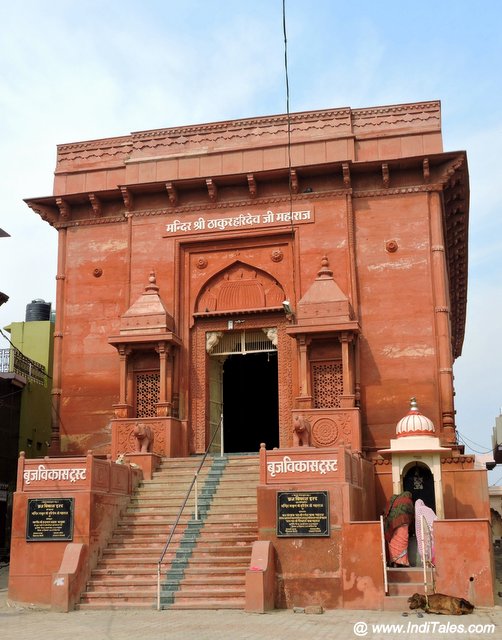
(239, 287)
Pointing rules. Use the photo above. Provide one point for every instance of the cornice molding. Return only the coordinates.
(313, 125)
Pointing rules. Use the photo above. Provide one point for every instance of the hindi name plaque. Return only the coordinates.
(49, 519)
(303, 514)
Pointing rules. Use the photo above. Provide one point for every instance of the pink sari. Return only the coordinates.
(422, 510)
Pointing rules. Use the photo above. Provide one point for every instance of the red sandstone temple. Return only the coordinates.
(274, 300)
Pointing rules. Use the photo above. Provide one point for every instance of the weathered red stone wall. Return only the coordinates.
(91, 313)
(398, 341)
(383, 485)
(323, 584)
(362, 568)
(98, 501)
(360, 196)
(398, 354)
(464, 560)
(465, 493)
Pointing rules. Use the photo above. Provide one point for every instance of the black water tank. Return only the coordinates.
(38, 310)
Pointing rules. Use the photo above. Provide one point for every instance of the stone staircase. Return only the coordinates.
(403, 583)
(215, 575)
(205, 564)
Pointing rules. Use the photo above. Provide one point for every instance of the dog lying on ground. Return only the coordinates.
(439, 603)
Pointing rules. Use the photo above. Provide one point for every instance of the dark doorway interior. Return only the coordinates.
(420, 482)
(250, 402)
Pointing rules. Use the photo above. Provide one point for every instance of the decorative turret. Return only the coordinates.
(324, 303)
(148, 315)
(414, 423)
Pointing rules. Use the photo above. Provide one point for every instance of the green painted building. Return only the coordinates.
(34, 340)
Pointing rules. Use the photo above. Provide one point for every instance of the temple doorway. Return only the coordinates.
(420, 482)
(250, 402)
(243, 390)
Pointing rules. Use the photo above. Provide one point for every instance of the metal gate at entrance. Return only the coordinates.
(243, 390)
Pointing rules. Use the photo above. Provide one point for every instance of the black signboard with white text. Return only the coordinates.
(49, 519)
(302, 514)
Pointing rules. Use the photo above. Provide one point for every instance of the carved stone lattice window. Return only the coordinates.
(147, 394)
(327, 383)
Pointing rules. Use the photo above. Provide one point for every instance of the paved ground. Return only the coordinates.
(26, 623)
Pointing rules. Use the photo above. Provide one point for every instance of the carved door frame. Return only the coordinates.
(199, 378)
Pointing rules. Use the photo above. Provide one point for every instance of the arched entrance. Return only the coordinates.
(250, 402)
(243, 388)
(419, 480)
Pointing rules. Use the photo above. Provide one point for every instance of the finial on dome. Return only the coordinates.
(325, 271)
(414, 423)
(152, 283)
(413, 404)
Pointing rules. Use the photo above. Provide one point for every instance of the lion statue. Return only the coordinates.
(144, 438)
(301, 432)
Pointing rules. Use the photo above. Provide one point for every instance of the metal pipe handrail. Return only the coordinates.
(384, 557)
(427, 559)
(183, 505)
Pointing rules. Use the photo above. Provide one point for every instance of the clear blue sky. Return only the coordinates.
(88, 69)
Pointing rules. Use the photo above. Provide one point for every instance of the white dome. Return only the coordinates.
(414, 423)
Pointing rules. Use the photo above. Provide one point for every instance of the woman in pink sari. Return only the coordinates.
(421, 510)
(397, 520)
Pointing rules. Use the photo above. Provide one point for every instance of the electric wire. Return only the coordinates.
(288, 120)
(13, 393)
(496, 481)
(463, 440)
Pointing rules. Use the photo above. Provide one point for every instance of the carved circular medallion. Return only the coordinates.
(324, 432)
(276, 255)
(201, 263)
(391, 246)
(98, 272)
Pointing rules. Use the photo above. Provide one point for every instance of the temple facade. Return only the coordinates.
(280, 285)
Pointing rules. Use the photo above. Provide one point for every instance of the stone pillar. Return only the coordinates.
(348, 396)
(442, 318)
(123, 409)
(165, 395)
(55, 446)
(305, 398)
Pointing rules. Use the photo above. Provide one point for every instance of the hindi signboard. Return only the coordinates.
(303, 514)
(49, 519)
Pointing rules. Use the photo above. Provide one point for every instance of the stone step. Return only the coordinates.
(405, 574)
(152, 518)
(193, 571)
(148, 599)
(240, 540)
(209, 604)
(111, 587)
(145, 525)
(396, 603)
(217, 549)
(125, 575)
(166, 497)
(142, 537)
(202, 551)
(241, 563)
(128, 564)
(144, 543)
(140, 554)
(114, 605)
(219, 518)
(405, 588)
(208, 580)
(214, 591)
